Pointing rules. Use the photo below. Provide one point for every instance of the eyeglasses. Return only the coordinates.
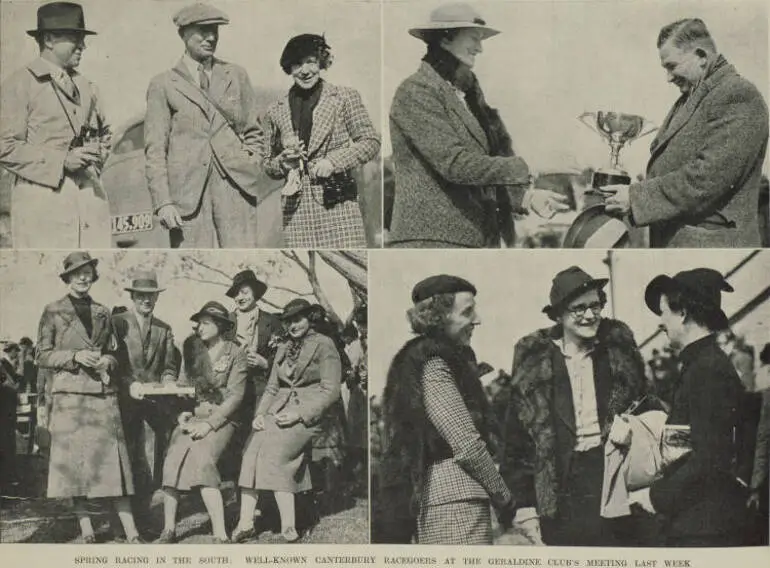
(580, 309)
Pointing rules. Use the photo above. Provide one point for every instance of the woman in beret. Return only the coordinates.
(304, 383)
(319, 134)
(217, 368)
(437, 475)
(77, 351)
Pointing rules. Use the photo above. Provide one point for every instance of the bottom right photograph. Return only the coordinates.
(616, 398)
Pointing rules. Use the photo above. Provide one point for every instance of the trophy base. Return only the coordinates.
(609, 177)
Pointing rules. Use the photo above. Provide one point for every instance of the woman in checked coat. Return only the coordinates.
(304, 384)
(88, 456)
(319, 133)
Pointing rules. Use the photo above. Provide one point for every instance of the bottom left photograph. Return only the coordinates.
(183, 397)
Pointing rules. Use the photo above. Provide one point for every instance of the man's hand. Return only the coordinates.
(287, 419)
(170, 217)
(546, 203)
(88, 358)
(79, 158)
(199, 430)
(323, 168)
(254, 359)
(753, 500)
(258, 423)
(619, 203)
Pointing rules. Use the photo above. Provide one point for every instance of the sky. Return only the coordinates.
(513, 287)
(137, 40)
(555, 60)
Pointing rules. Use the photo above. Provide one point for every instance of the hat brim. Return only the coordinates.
(259, 288)
(209, 22)
(595, 228)
(74, 267)
(196, 317)
(664, 283)
(299, 311)
(594, 284)
(143, 289)
(419, 32)
(37, 32)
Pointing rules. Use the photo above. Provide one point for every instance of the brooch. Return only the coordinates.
(221, 365)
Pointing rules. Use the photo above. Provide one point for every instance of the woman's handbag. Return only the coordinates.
(675, 444)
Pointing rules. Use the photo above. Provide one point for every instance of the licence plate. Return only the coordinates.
(135, 223)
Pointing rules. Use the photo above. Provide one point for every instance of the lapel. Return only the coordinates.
(308, 349)
(455, 105)
(71, 317)
(283, 117)
(100, 319)
(153, 339)
(563, 404)
(221, 79)
(323, 116)
(187, 86)
(134, 341)
(42, 69)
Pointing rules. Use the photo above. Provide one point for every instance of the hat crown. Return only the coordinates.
(296, 304)
(440, 284)
(457, 13)
(200, 13)
(214, 308)
(706, 283)
(75, 258)
(569, 283)
(60, 16)
(145, 279)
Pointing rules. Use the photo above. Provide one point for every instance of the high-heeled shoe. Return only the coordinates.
(166, 537)
(242, 535)
(290, 534)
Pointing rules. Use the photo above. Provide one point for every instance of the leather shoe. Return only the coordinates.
(166, 537)
(290, 535)
(225, 540)
(135, 540)
(242, 535)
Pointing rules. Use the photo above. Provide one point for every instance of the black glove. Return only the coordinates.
(506, 513)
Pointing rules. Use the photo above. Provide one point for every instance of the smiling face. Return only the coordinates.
(580, 319)
(245, 299)
(465, 45)
(462, 319)
(307, 72)
(685, 66)
(144, 302)
(64, 48)
(80, 280)
(200, 40)
(297, 326)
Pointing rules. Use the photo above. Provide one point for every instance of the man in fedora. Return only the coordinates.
(147, 355)
(54, 140)
(569, 382)
(702, 502)
(705, 166)
(204, 146)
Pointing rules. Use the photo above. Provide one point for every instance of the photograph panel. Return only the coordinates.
(599, 399)
(202, 397)
(481, 95)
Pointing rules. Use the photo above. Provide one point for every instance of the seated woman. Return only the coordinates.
(88, 453)
(304, 383)
(217, 368)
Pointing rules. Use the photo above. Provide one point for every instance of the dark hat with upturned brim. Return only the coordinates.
(298, 306)
(77, 260)
(702, 284)
(214, 310)
(568, 285)
(60, 17)
(440, 284)
(247, 277)
(299, 47)
(595, 228)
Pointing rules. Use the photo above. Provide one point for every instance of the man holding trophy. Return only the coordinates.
(703, 176)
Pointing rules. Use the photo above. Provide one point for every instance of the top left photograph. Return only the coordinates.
(180, 124)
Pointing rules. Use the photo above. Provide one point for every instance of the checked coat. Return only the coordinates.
(344, 134)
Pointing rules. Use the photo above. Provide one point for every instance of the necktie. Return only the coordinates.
(203, 78)
(67, 85)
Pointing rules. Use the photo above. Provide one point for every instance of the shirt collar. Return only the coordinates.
(192, 65)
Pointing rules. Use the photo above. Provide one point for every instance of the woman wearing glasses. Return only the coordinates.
(569, 382)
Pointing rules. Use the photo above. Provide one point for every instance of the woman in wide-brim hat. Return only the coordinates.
(217, 368)
(458, 180)
(304, 383)
(319, 134)
(88, 457)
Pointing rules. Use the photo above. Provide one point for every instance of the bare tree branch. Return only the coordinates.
(201, 280)
(207, 266)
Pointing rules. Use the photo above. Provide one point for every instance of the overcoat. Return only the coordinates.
(88, 454)
(35, 136)
(705, 167)
(187, 141)
(344, 134)
(442, 163)
(278, 458)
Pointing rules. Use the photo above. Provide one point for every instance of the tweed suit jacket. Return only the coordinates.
(61, 335)
(342, 131)
(705, 167)
(315, 383)
(149, 358)
(186, 137)
(442, 166)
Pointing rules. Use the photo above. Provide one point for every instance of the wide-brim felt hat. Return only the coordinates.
(76, 260)
(453, 16)
(200, 14)
(60, 17)
(213, 310)
(144, 281)
(569, 284)
(595, 228)
(703, 284)
(247, 277)
(298, 306)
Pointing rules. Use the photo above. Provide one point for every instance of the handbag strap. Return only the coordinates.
(57, 92)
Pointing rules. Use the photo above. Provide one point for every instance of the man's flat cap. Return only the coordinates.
(200, 14)
(440, 284)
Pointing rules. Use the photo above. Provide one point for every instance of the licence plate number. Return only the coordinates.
(135, 223)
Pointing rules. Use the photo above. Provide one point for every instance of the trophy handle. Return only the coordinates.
(651, 128)
(582, 118)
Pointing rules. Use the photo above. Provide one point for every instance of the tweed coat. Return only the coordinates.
(699, 495)
(442, 167)
(35, 135)
(187, 140)
(705, 167)
(219, 388)
(277, 458)
(88, 456)
(540, 420)
(344, 134)
(146, 357)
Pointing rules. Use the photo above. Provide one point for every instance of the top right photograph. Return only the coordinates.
(576, 124)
